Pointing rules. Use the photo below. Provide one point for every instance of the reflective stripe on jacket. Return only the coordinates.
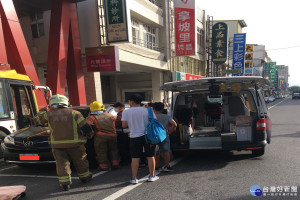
(64, 126)
(104, 123)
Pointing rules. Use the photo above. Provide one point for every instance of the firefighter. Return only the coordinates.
(37, 119)
(105, 139)
(68, 132)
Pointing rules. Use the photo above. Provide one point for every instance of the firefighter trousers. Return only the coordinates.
(106, 146)
(77, 155)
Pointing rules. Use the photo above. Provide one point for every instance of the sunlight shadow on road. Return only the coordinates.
(287, 135)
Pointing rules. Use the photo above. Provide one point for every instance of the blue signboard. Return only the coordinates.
(284, 85)
(238, 59)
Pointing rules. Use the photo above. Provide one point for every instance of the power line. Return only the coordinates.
(291, 47)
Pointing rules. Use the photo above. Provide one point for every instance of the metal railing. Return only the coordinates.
(146, 44)
(158, 3)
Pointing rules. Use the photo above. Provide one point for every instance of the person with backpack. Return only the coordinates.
(164, 147)
(105, 139)
(136, 119)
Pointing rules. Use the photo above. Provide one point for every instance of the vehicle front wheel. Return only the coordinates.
(258, 152)
(2, 135)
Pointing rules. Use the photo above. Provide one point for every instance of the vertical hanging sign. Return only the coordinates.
(238, 59)
(116, 21)
(249, 60)
(272, 74)
(185, 27)
(219, 43)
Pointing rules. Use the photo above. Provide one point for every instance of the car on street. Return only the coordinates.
(280, 96)
(271, 98)
(266, 99)
(296, 95)
(239, 121)
(30, 145)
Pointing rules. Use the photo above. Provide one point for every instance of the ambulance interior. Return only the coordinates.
(218, 114)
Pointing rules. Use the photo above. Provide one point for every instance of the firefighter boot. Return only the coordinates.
(64, 187)
(88, 179)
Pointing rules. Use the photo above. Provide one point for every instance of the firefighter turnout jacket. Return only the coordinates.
(104, 124)
(64, 125)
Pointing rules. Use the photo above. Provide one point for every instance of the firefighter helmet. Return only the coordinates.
(96, 106)
(59, 99)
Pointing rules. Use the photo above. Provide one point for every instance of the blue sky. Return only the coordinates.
(273, 23)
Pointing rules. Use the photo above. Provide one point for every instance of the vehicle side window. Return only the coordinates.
(249, 101)
(262, 102)
(22, 106)
(4, 111)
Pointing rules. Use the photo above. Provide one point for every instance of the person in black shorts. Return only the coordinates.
(136, 119)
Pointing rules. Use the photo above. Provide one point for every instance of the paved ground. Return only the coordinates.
(197, 175)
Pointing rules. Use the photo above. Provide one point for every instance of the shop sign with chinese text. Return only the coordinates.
(102, 59)
(185, 27)
(116, 21)
(273, 70)
(249, 70)
(219, 43)
(267, 69)
(238, 59)
(180, 76)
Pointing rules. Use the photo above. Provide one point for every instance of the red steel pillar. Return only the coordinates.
(16, 51)
(64, 54)
(3, 57)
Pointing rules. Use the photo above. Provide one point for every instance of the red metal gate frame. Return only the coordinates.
(16, 51)
(64, 54)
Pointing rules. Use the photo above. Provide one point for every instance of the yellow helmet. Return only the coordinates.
(59, 100)
(97, 106)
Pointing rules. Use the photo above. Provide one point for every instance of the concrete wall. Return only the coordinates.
(258, 59)
(88, 24)
(38, 47)
(89, 37)
(147, 11)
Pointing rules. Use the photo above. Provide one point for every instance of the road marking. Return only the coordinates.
(99, 173)
(32, 176)
(277, 104)
(131, 187)
(38, 176)
(8, 168)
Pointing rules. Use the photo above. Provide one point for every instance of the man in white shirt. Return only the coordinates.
(136, 119)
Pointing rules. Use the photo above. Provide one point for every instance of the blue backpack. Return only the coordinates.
(155, 132)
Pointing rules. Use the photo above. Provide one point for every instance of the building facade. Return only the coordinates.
(146, 62)
(234, 27)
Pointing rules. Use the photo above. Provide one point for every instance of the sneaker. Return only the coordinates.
(153, 178)
(134, 181)
(167, 169)
(64, 187)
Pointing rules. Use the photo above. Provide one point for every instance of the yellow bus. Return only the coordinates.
(18, 103)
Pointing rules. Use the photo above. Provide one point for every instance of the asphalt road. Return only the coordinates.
(198, 175)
